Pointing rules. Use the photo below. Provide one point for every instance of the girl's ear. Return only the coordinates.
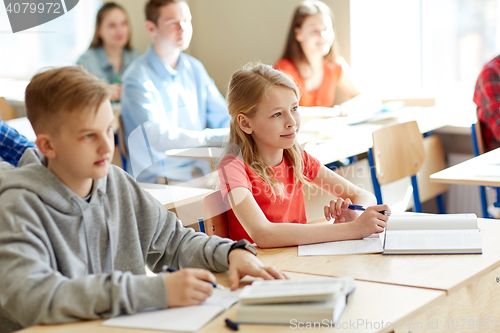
(244, 124)
(44, 144)
(298, 35)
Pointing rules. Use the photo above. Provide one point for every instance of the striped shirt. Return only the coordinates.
(12, 144)
(487, 99)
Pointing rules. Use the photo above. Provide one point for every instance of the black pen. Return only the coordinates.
(168, 269)
(359, 207)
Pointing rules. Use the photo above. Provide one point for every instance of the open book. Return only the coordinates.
(428, 234)
(185, 319)
(282, 301)
(411, 234)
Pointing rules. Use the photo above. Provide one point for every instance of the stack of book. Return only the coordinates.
(285, 301)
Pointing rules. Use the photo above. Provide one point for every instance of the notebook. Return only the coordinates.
(411, 234)
(185, 319)
(370, 244)
(432, 234)
(285, 301)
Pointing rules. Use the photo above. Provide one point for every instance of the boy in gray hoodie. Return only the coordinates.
(77, 232)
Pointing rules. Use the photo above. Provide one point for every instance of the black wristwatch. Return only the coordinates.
(245, 245)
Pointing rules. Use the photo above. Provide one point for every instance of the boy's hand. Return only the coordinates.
(188, 286)
(242, 263)
(339, 210)
(371, 221)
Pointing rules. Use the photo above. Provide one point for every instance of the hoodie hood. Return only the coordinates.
(32, 175)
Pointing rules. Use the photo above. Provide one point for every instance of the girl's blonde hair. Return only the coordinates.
(247, 88)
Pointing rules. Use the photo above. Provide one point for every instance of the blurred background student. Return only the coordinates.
(312, 59)
(110, 52)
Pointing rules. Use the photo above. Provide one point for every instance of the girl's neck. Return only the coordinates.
(113, 52)
(314, 66)
(272, 157)
(316, 60)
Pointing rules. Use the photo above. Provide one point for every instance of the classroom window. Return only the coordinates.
(423, 47)
(56, 43)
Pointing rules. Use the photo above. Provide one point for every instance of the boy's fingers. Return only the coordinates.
(204, 287)
(277, 274)
(197, 297)
(234, 279)
(203, 274)
(261, 272)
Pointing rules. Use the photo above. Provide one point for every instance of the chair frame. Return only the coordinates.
(417, 159)
(214, 221)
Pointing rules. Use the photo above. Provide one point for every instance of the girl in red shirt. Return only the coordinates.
(310, 58)
(263, 171)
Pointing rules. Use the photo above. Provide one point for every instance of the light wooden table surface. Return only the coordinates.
(471, 282)
(374, 303)
(441, 272)
(482, 170)
(172, 196)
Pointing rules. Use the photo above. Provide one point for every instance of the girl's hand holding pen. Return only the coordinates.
(339, 211)
(373, 220)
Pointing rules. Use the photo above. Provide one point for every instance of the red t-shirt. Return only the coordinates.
(325, 94)
(233, 172)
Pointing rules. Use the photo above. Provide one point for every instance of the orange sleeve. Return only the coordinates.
(232, 174)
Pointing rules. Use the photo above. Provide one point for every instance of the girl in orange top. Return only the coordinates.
(263, 171)
(310, 58)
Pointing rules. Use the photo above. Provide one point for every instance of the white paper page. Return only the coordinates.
(488, 170)
(432, 222)
(372, 244)
(276, 288)
(186, 319)
(432, 239)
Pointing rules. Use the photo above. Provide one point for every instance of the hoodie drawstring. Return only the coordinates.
(88, 259)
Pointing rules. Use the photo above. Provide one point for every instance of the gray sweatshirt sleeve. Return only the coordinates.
(174, 245)
(33, 291)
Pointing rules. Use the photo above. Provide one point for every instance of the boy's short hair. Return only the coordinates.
(153, 8)
(62, 90)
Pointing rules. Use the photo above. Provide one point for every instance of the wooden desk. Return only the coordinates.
(370, 302)
(471, 282)
(441, 272)
(171, 196)
(472, 172)
(203, 153)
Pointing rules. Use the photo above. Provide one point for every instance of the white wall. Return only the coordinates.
(230, 33)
